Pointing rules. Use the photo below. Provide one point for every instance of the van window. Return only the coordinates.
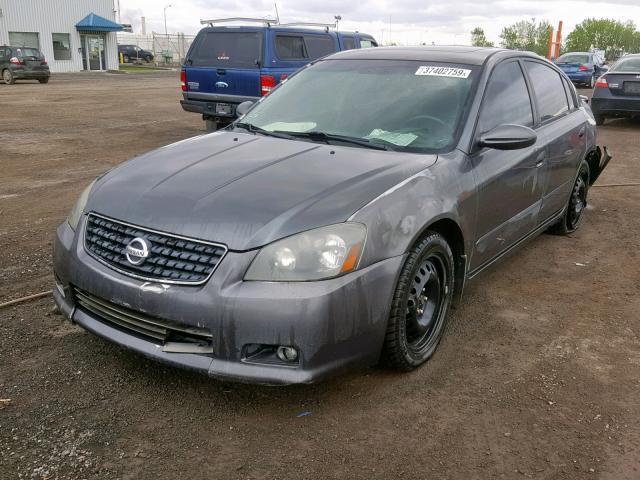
(349, 43)
(547, 85)
(228, 50)
(367, 43)
(290, 47)
(319, 45)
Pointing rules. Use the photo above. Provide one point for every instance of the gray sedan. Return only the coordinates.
(337, 221)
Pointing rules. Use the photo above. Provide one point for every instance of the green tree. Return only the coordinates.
(612, 36)
(528, 35)
(478, 38)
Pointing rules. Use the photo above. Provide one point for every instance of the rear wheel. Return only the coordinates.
(126, 58)
(420, 304)
(574, 212)
(599, 118)
(591, 82)
(44, 80)
(8, 77)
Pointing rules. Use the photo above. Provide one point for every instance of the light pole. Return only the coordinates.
(165, 21)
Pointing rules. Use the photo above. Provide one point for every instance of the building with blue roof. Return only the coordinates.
(73, 35)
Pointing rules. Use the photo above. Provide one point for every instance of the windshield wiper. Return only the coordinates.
(254, 129)
(328, 137)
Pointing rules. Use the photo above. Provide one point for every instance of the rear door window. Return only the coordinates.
(319, 45)
(290, 47)
(228, 50)
(550, 94)
(367, 43)
(506, 99)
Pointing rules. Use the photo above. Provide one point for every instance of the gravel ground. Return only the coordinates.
(538, 376)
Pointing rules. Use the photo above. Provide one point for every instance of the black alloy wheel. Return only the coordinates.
(420, 304)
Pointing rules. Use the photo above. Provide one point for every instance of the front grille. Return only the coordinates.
(172, 259)
(140, 324)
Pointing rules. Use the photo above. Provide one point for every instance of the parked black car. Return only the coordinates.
(23, 63)
(617, 92)
(337, 220)
(133, 52)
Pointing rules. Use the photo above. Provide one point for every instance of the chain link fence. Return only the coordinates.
(168, 50)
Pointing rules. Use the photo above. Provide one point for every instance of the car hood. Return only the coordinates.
(247, 190)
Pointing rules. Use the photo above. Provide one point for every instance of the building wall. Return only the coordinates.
(57, 16)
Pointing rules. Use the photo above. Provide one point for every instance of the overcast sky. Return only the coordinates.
(402, 21)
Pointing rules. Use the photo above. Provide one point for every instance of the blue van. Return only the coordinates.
(228, 65)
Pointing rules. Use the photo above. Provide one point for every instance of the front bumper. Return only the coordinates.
(334, 324)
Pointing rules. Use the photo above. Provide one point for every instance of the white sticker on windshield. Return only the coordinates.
(400, 139)
(433, 71)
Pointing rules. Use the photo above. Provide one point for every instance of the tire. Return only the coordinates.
(126, 58)
(574, 212)
(7, 76)
(211, 125)
(599, 119)
(420, 304)
(147, 59)
(591, 82)
(44, 80)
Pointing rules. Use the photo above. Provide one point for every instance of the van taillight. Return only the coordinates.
(183, 80)
(267, 83)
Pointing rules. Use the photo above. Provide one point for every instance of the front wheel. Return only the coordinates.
(599, 119)
(44, 80)
(420, 303)
(577, 204)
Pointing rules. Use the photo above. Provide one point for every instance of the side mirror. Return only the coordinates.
(508, 137)
(243, 108)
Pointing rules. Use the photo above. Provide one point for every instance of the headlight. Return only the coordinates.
(78, 208)
(313, 255)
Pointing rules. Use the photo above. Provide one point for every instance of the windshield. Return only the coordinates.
(627, 65)
(573, 58)
(408, 105)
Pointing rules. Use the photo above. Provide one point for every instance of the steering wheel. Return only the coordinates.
(429, 118)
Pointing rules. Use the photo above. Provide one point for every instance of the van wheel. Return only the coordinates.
(211, 125)
(599, 119)
(577, 204)
(7, 76)
(420, 304)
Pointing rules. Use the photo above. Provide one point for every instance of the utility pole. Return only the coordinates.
(165, 22)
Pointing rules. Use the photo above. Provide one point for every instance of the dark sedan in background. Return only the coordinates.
(617, 93)
(132, 53)
(337, 220)
(23, 63)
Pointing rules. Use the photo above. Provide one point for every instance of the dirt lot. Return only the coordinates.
(538, 377)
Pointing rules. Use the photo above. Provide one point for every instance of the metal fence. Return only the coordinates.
(167, 49)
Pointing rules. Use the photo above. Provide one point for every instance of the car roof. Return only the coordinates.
(576, 53)
(445, 54)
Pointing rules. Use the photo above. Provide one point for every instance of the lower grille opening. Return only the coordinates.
(174, 337)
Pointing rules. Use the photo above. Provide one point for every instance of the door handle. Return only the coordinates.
(539, 163)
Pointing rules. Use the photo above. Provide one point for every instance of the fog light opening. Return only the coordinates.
(287, 354)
